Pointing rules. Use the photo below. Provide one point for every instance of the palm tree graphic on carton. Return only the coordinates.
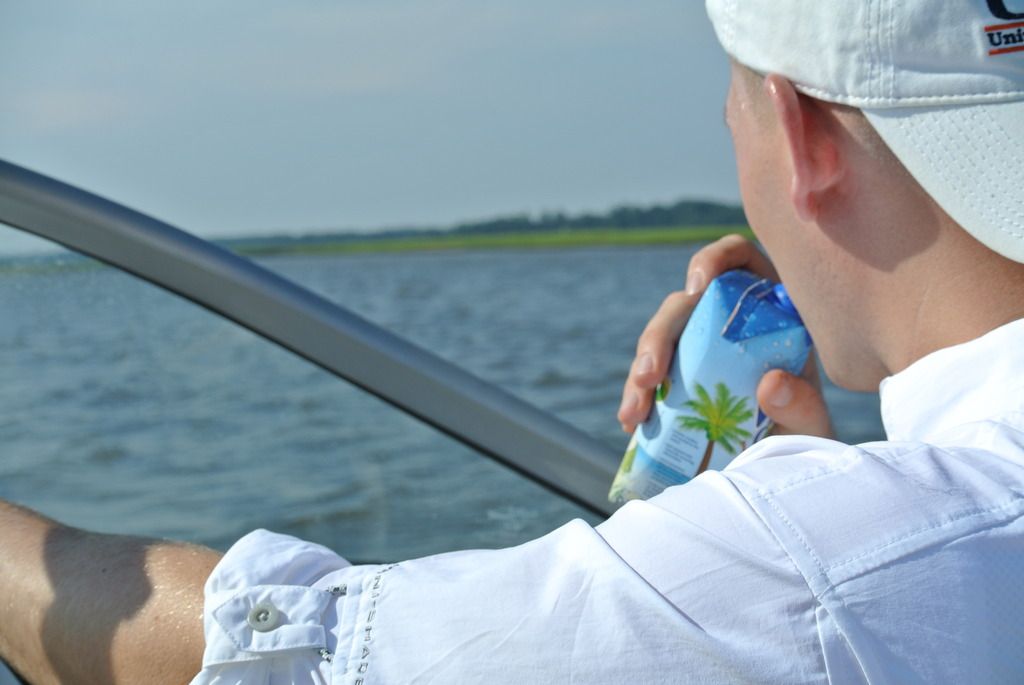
(719, 418)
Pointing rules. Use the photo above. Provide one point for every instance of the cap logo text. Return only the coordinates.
(1005, 38)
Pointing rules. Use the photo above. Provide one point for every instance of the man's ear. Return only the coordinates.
(813, 147)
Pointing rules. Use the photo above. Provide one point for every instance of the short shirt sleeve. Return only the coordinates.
(270, 604)
(689, 587)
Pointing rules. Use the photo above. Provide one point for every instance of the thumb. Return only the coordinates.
(795, 405)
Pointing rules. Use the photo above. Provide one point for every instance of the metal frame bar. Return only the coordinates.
(492, 421)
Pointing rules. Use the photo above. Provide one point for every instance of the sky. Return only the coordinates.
(250, 117)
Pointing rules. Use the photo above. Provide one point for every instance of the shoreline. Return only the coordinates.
(511, 240)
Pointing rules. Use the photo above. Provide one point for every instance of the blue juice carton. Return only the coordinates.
(705, 412)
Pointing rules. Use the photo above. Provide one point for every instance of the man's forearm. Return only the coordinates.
(81, 607)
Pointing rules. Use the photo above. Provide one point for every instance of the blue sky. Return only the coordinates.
(230, 117)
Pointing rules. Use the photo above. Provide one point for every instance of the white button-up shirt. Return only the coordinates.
(806, 561)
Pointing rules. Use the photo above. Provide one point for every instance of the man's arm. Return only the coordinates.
(82, 607)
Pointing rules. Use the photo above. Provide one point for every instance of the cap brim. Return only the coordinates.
(970, 160)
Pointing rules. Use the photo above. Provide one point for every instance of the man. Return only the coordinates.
(899, 233)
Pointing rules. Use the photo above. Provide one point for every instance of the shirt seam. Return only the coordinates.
(829, 589)
(994, 96)
(962, 516)
(364, 634)
(886, 456)
(767, 495)
(796, 533)
(830, 470)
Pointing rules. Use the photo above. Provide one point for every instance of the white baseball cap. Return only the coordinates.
(942, 81)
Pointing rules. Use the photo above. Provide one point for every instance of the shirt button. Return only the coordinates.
(263, 617)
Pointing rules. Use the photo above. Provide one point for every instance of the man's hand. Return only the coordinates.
(794, 403)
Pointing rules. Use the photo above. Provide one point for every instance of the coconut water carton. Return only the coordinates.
(705, 411)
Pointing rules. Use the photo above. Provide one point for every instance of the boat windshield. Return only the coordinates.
(128, 409)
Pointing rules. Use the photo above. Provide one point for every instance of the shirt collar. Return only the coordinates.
(976, 381)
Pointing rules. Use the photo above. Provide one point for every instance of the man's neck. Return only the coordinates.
(965, 291)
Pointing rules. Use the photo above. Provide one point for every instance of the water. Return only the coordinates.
(126, 409)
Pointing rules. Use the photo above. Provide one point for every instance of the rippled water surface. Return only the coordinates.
(126, 409)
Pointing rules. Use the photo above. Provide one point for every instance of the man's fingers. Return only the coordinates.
(654, 352)
(731, 252)
(794, 404)
(657, 344)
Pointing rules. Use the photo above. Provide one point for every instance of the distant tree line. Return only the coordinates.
(683, 213)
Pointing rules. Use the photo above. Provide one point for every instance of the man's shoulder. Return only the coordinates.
(900, 559)
(842, 510)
